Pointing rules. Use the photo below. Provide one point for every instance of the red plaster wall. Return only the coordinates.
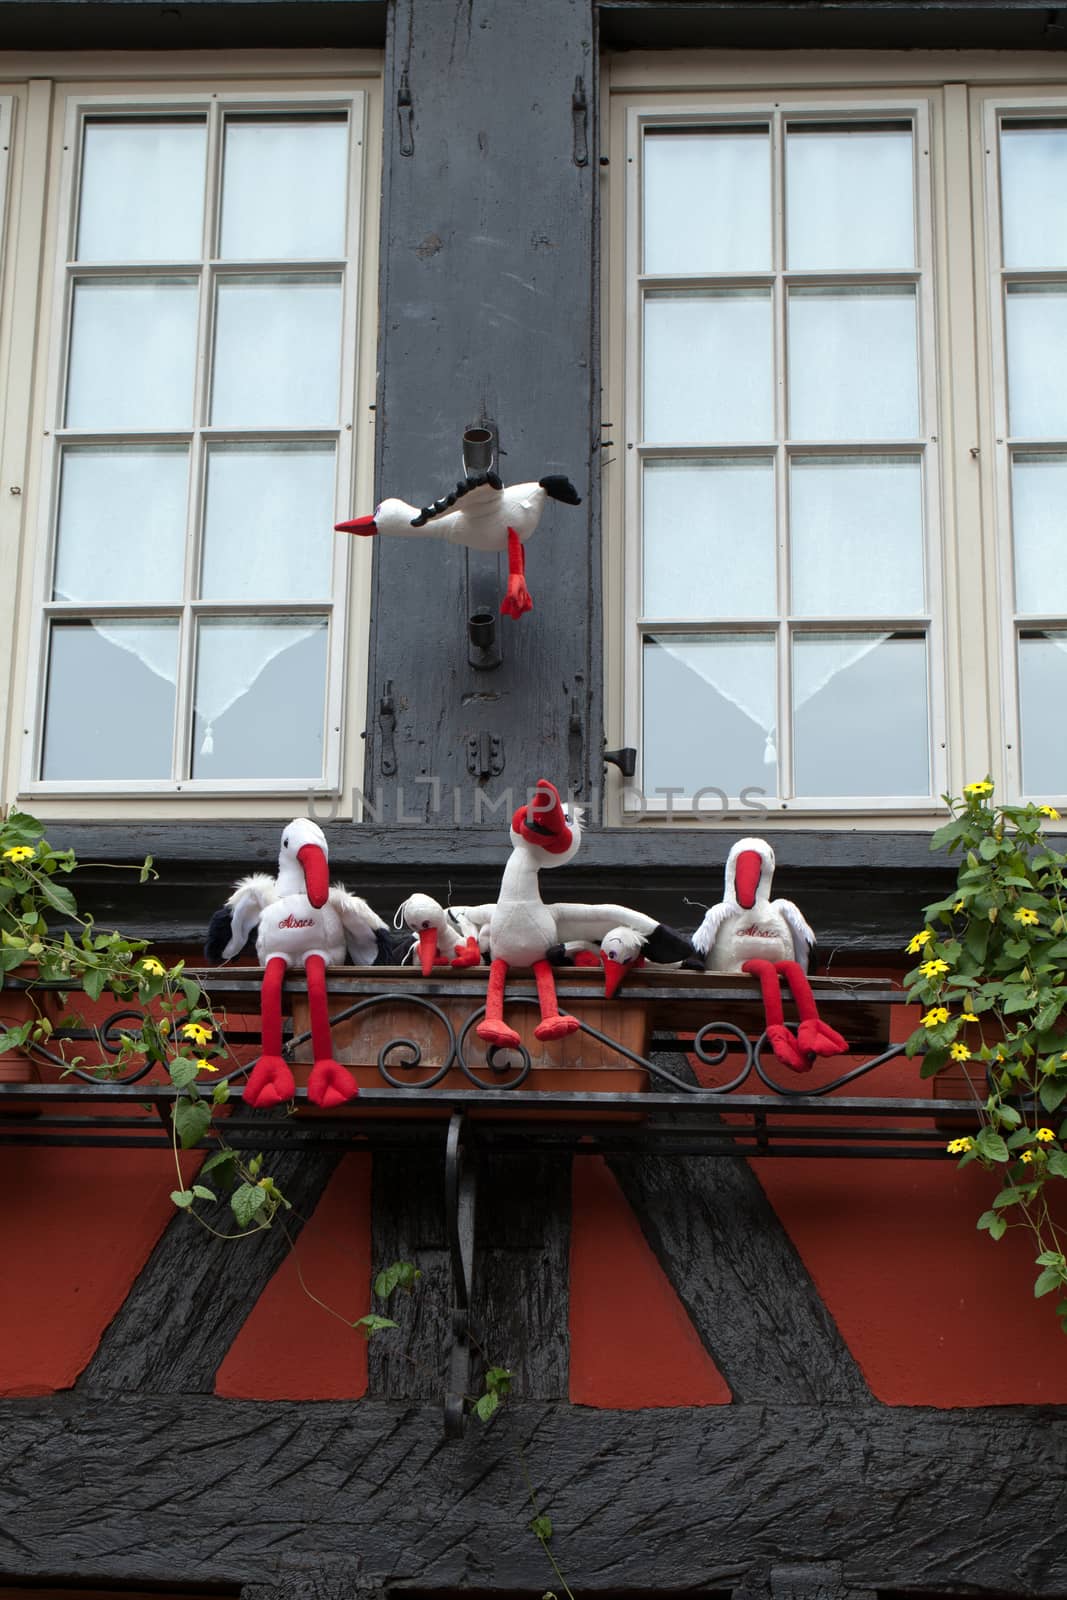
(290, 1348)
(76, 1227)
(632, 1344)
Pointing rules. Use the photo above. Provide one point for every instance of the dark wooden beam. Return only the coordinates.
(192, 24)
(195, 1291)
(198, 1491)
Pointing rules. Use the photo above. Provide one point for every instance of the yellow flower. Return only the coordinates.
(983, 787)
(935, 1017)
(1027, 1156)
(960, 1052)
(933, 969)
(152, 966)
(968, 1016)
(196, 1031)
(959, 1147)
(205, 1066)
(1046, 1135)
(1050, 812)
(958, 906)
(919, 940)
(20, 852)
(1027, 917)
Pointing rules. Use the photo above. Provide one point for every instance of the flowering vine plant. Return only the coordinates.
(993, 979)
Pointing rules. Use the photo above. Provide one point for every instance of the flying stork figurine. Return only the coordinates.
(523, 930)
(299, 921)
(749, 932)
(489, 517)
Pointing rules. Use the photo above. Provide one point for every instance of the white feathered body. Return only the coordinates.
(481, 523)
(289, 925)
(760, 933)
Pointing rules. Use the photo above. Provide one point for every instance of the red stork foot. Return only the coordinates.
(518, 600)
(497, 1033)
(270, 1083)
(330, 1084)
(556, 1027)
(819, 1039)
(468, 954)
(786, 1048)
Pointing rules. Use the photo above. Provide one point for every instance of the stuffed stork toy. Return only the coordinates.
(443, 936)
(749, 932)
(490, 518)
(523, 930)
(299, 920)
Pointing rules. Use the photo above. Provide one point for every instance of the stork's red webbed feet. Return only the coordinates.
(814, 1037)
(468, 954)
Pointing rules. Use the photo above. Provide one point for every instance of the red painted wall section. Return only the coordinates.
(632, 1344)
(290, 1348)
(76, 1227)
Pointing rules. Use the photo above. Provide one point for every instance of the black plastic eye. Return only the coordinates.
(285, 844)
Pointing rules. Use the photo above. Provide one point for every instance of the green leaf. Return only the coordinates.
(183, 1072)
(400, 1275)
(182, 1197)
(192, 1118)
(949, 833)
(486, 1405)
(372, 1324)
(203, 1193)
(246, 1201)
(94, 982)
(1057, 1163)
(1048, 1015)
(191, 990)
(221, 1158)
(1051, 1258)
(146, 870)
(1052, 1094)
(542, 1527)
(58, 898)
(220, 1094)
(994, 1222)
(498, 1380)
(1048, 1280)
(991, 1145)
(1010, 1197)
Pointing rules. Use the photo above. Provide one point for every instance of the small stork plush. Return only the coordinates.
(299, 920)
(443, 935)
(487, 517)
(749, 932)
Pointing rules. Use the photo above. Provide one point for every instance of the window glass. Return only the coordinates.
(850, 197)
(708, 200)
(121, 530)
(95, 667)
(142, 189)
(284, 186)
(709, 713)
(709, 546)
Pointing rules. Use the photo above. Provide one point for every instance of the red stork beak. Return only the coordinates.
(747, 872)
(363, 525)
(316, 873)
(542, 821)
(614, 973)
(427, 950)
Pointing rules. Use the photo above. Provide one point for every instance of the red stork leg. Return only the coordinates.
(329, 1084)
(492, 1028)
(553, 1024)
(814, 1035)
(271, 1081)
(517, 599)
(785, 1047)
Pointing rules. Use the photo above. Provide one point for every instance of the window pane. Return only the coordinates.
(260, 697)
(121, 533)
(708, 367)
(709, 546)
(283, 188)
(708, 201)
(853, 369)
(857, 535)
(709, 713)
(277, 352)
(110, 706)
(277, 500)
(860, 721)
(849, 197)
(1037, 359)
(1033, 177)
(1039, 524)
(142, 191)
(132, 354)
(1042, 696)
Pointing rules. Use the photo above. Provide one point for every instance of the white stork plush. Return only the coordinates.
(300, 921)
(443, 936)
(523, 930)
(491, 518)
(749, 932)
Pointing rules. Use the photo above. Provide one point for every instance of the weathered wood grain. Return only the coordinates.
(201, 1491)
(738, 1274)
(195, 1291)
(519, 1310)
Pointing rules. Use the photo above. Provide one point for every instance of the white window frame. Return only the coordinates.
(642, 111)
(347, 610)
(990, 110)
